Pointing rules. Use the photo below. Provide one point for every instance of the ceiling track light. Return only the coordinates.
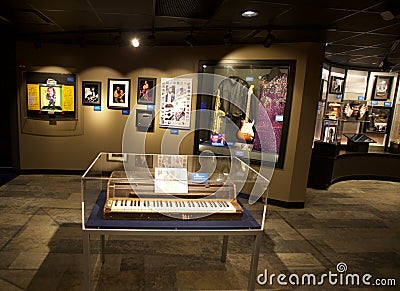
(189, 40)
(228, 39)
(269, 39)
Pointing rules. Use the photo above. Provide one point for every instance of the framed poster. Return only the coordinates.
(50, 96)
(336, 86)
(175, 104)
(146, 90)
(118, 93)
(382, 88)
(91, 93)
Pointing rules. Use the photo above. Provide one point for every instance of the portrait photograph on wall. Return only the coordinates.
(118, 93)
(336, 86)
(146, 90)
(91, 93)
(382, 88)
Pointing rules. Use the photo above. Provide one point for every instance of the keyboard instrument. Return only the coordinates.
(137, 200)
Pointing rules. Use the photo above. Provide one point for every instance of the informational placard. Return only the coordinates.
(33, 96)
(175, 104)
(68, 98)
(171, 180)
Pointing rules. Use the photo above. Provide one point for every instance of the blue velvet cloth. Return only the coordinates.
(97, 221)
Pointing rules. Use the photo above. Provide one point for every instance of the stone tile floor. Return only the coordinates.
(354, 222)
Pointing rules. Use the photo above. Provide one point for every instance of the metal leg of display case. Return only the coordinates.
(224, 248)
(86, 260)
(254, 261)
(102, 246)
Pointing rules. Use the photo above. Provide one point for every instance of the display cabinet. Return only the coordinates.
(132, 194)
(394, 146)
(245, 105)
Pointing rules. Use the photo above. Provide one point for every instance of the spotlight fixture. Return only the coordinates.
(249, 13)
(269, 39)
(118, 39)
(228, 39)
(189, 40)
(135, 42)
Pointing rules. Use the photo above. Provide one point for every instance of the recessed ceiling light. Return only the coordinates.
(249, 13)
(135, 42)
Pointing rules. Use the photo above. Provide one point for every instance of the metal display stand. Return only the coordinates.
(87, 233)
(94, 183)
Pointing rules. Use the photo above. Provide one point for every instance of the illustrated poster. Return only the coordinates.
(175, 104)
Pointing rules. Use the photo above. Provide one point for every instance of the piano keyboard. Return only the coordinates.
(152, 208)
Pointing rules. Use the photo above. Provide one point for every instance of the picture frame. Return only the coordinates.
(144, 161)
(91, 93)
(382, 88)
(117, 157)
(145, 120)
(146, 92)
(175, 103)
(336, 85)
(378, 119)
(323, 90)
(118, 93)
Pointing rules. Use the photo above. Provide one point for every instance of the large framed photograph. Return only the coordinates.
(146, 90)
(336, 86)
(118, 93)
(91, 93)
(382, 88)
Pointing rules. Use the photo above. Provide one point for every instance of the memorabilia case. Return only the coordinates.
(248, 103)
(358, 102)
(130, 191)
(394, 144)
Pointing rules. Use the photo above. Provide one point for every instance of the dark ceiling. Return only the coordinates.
(357, 33)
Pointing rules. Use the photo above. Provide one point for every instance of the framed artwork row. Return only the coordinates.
(118, 95)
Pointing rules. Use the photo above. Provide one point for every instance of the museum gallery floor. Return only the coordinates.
(354, 222)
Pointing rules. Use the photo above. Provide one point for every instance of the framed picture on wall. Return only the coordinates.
(382, 88)
(146, 90)
(91, 93)
(117, 157)
(323, 90)
(144, 161)
(118, 93)
(336, 86)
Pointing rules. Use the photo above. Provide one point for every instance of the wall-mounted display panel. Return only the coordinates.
(248, 106)
(50, 95)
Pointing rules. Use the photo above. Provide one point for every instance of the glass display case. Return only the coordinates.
(356, 102)
(394, 146)
(139, 194)
(244, 107)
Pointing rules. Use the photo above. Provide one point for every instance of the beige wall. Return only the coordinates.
(78, 144)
